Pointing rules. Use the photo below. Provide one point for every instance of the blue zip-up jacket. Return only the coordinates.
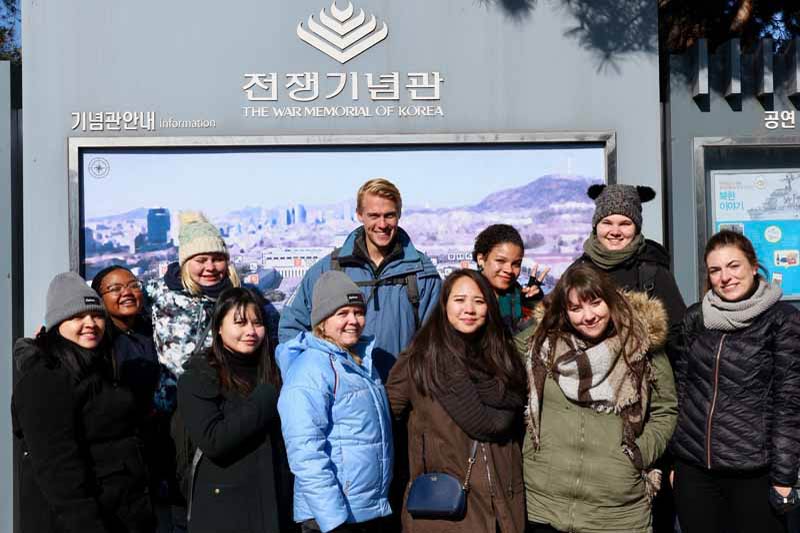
(337, 427)
(390, 315)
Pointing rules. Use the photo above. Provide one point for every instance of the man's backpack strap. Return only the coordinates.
(409, 280)
(335, 264)
(413, 296)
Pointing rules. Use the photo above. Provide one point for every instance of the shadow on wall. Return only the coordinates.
(612, 30)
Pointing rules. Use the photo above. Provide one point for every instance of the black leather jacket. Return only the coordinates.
(739, 394)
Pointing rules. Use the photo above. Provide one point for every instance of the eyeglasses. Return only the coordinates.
(117, 288)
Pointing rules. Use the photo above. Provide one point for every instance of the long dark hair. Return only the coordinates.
(491, 348)
(237, 300)
(589, 283)
(79, 362)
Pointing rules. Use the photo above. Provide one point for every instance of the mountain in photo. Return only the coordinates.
(134, 214)
(541, 193)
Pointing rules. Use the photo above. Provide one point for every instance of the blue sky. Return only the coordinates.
(218, 182)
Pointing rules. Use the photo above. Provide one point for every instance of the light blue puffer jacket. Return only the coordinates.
(337, 426)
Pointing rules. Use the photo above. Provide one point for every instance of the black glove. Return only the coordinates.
(784, 504)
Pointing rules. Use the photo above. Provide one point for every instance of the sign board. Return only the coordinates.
(764, 205)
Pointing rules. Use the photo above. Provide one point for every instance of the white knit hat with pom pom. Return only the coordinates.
(198, 236)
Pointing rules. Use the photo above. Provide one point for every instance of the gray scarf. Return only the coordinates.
(729, 316)
(608, 259)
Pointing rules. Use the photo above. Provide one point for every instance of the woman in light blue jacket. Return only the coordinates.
(335, 415)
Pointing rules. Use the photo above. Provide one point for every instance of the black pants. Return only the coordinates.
(712, 502)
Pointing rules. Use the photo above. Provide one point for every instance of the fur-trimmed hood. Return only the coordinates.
(649, 313)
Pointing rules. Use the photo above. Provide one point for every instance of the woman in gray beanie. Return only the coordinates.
(335, 415)
(81, 469)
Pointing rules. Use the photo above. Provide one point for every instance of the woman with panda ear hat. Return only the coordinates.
(617, 246)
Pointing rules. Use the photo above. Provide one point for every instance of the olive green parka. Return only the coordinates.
(579, 480)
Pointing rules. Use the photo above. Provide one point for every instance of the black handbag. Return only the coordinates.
(438, 495)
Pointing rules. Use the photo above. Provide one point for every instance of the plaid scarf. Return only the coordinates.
(598, 377)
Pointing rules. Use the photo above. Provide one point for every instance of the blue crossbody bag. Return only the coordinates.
(438, 495)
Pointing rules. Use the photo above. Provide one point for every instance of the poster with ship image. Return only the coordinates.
(764, 205)
(280, 209)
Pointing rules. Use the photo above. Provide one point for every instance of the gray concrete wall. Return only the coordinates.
(694, 119)
(509, 66)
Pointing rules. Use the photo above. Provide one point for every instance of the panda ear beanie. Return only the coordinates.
(623, 200)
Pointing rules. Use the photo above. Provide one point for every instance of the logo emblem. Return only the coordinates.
(99, 167)
(342, 35)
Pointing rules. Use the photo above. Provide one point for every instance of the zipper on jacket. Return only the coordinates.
(574, 501)
(713, 402)
(488, 473)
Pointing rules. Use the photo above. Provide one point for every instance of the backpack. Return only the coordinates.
(409, 280)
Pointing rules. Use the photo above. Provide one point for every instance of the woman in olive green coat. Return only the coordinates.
(601, 409)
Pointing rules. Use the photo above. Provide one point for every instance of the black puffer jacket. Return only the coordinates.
(739, 394)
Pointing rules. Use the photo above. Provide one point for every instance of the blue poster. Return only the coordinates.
(765, 207)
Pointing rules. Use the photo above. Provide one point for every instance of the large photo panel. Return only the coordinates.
(281, 208)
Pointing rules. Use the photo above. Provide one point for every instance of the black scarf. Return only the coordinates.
(478, 402)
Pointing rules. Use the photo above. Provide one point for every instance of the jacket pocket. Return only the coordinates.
(361, 475)
(220, 507)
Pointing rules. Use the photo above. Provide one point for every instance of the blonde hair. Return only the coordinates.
(319, 332)
(193, 288)
(380, 187)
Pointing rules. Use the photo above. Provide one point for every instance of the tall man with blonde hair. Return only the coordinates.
(400, 283)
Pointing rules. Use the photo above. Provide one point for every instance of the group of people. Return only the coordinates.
(384, 398)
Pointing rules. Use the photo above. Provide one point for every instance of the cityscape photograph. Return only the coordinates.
(281, 227)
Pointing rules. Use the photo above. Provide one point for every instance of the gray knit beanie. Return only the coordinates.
(333, 289)
(616, 199)
(69, 295)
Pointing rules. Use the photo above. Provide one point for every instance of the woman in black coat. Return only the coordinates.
(228, 397)
(81, 469)
(136, 366)
(737, 442)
